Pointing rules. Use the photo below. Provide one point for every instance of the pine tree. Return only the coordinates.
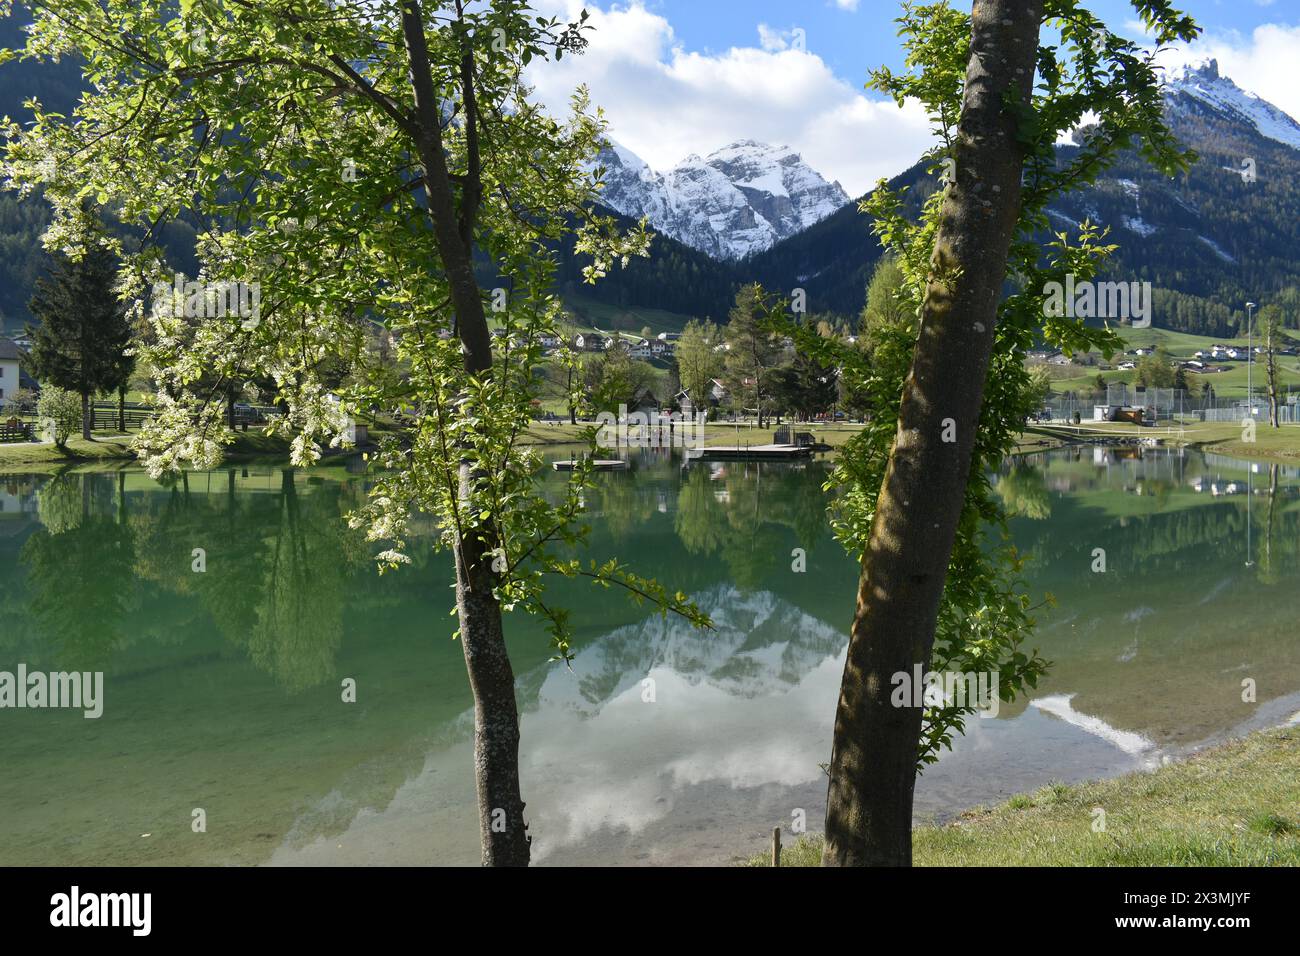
(81, 342)
(752, 352)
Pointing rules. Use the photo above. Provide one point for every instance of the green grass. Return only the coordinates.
(248, 446)
(715, 433)
(79, 450)
(1234, 805)
(1282, 444)
(1230, 384)
(1279, 444)
(1274, 443)
(1177, 343)
(1183, 345)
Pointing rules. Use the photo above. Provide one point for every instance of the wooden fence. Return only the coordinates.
(105, 415)
(14, 430)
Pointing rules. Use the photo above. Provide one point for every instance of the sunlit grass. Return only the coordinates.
(1234, 805)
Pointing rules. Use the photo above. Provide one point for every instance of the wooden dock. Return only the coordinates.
(600, 464)
(754, 452)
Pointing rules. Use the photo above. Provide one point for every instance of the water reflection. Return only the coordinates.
(223, 686)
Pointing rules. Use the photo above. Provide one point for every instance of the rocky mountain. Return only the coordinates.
(1225, 232)
(1196, 88)
(738, 200)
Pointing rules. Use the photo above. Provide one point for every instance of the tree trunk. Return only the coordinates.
(1271, 369)
(121, 410)
(905, 563)
(85, 416)
(504, 836)
(573, 411)
(503, 833)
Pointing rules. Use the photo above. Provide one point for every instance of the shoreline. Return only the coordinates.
(1282, 445)
(1236, 803)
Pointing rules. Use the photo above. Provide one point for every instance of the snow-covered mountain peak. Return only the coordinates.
(737, 200)
(1206, 70)
(1204, 83)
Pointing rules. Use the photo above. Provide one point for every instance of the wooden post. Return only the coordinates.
(776, 846)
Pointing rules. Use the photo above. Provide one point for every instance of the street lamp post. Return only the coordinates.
(1250, 360)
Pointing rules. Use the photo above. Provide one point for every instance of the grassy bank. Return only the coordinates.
(1234, 805)
(1270, 444)
(1275, 444)
(1280, 444)
(715, 433)
(79, 450)
(248, 446)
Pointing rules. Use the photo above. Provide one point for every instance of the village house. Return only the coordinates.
(644, 402)
(11, 359)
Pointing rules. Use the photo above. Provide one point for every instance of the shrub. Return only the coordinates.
(59, 414)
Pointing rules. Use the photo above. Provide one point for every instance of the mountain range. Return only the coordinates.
(738, 200)
(1225, 232)
(1208, 241)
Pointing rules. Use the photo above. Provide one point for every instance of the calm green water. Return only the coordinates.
(222, 688)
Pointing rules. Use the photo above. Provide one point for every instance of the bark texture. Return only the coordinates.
(502, 830)
(905, 563)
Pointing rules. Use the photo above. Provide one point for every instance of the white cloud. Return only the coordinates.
(853, 4)
(665, 102)
(772, 40)
(1264, 63)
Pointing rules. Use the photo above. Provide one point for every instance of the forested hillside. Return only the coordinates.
(1208, 241)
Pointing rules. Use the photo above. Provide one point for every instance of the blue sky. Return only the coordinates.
(677, 77)
(851, 40)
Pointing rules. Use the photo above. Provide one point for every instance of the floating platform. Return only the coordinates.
(755, 452)
(600, 464)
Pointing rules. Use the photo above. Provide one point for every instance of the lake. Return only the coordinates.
(222, 688)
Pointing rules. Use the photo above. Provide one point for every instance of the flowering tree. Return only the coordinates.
(347, 163)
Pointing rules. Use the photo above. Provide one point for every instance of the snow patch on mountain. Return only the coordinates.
(1218, 250)
(734, 202)
(1139, 226)
(1062, 217)
(1204, 83)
